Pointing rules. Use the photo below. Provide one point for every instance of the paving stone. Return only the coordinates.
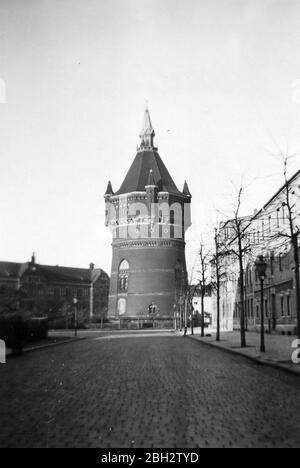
(158, 391)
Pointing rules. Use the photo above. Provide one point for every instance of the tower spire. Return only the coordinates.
(186, 190)
(147, 133)
(109, 190)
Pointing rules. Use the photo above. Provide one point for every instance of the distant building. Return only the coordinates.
(208, 304)
(148, 217)
(46, 287)
(266, 232)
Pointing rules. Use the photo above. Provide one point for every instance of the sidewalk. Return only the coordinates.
(278, 347)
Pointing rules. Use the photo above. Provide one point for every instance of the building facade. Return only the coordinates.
(267, 232)
(148, 217)
(50, 290)
(207, 303)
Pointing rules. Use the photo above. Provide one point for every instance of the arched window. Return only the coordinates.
(160, 221)
(121, 306)
(124, 265)
(123, 276)
(172, 222)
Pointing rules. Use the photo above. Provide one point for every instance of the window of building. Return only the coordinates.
(282, 306)
(280, 262)
(172, 220)
(266, 308)
(283, 214)
(123, 276)
(288, 305)
(272, 263)
(160, 220)
(122, 306)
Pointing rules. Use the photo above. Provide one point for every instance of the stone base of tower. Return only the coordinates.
(143, 323)
(137, 314)
(150, 297)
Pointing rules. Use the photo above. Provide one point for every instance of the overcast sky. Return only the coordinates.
(222, 79)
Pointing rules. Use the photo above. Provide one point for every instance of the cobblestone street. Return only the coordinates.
(145, 390)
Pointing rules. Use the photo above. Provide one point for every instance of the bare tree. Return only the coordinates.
(289, 234)
(191, 291)
(237, 243)
(204, 257)
(219, 274)
(215, 261)
(293, 235)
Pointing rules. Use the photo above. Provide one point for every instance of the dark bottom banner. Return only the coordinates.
(109, 457)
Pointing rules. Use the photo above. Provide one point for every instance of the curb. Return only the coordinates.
(45, 346)
(274, 365)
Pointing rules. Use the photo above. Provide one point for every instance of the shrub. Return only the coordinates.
(59, 324)
(37, 328)
(16, 330)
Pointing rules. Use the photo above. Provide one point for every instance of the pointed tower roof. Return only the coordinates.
(146, 160)
(138, 174)
(186, 190)
(109, 190)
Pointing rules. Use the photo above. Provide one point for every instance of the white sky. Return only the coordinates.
(222, 79)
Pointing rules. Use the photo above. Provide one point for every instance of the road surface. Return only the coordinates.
(145, 390)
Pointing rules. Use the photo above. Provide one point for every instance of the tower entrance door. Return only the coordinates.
(153, 309)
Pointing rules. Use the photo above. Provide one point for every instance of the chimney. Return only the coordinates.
(33, 258)
(92, 266)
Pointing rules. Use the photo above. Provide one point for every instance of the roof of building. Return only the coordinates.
(50, 272)
(12, 269)
(72, 273)
(137, 176)
(288, 182)
(249, 219)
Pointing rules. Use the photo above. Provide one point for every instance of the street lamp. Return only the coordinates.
(261, 267)
(75, 300)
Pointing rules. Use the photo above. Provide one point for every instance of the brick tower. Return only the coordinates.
(148, 217)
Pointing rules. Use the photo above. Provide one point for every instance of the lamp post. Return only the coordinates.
(75, 300)
(261, 267)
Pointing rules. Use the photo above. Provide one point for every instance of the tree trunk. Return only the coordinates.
(297, 286)
(242, 309)
(202, 312)
(218, 286)
(218, 308)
